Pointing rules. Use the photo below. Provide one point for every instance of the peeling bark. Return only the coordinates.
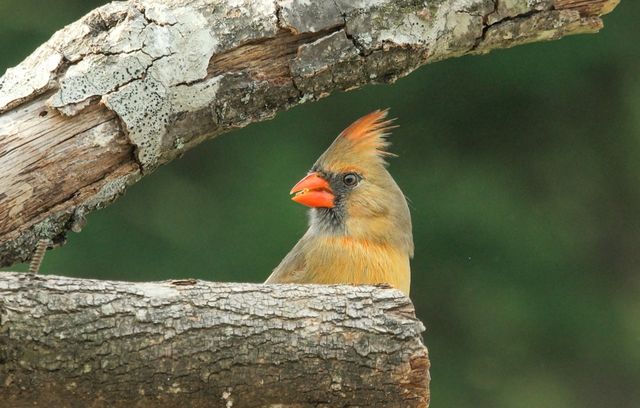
(83, 343)
(132, 85)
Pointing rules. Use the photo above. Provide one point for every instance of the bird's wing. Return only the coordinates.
(292, 267)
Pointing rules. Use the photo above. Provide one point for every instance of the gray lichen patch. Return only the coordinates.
(108, 192)
(512, 8)
(542, 26)
(144, 108)
(191, 98)
(392, 28)
(445, 28)
(457, 26)
(136, 51)
(172, 48)
(388, 66)
(152, 56)
(82, 81)
(242, 100)
(315, 57)
(329, 63)
(192, 118)
(308, 16)
(22, 247)
(33, 76)
(112, 28)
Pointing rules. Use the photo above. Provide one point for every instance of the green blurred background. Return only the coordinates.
(523, 171)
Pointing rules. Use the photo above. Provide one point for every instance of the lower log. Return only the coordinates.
(68, 342)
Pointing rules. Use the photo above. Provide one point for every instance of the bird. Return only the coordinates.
(359, 221)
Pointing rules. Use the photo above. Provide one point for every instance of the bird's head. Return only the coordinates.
(349, 188)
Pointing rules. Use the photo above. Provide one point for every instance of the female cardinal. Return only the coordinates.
(360, 226)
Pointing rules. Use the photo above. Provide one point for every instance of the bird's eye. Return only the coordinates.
(350, 179)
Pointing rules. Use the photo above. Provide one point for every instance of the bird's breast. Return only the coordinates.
(346, 260)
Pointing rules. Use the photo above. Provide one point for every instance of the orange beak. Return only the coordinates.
(313, 191)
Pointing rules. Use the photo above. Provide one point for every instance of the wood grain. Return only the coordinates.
(47, 159)
(266, 59)
(588, 7)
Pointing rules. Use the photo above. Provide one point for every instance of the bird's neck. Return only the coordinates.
(329, 223)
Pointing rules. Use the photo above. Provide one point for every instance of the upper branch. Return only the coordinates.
(134, 84)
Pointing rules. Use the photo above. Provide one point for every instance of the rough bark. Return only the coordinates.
(132, 85)
(83, 343)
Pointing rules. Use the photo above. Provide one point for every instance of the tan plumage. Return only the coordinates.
(358, 234)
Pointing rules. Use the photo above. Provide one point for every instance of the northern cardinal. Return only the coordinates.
(360, 226)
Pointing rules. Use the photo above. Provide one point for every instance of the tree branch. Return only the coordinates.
(86, 343)
(132, 85)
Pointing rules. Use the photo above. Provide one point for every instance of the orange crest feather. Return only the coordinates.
(368, 133)
(363, 143)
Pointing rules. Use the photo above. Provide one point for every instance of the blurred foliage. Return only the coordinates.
(523, 170)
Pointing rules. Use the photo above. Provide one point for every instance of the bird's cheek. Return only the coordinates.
(365, 205)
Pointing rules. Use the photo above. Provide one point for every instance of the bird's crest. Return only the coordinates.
(362, 143)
